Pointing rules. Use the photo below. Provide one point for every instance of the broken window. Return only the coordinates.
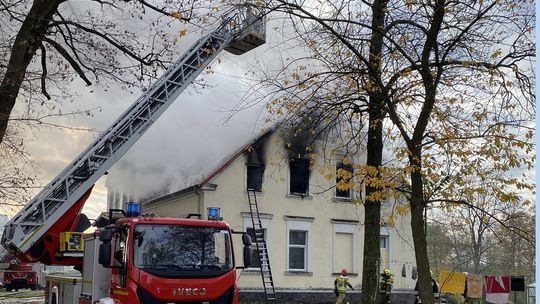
(254, 177)
(299, 176)
(344, 174)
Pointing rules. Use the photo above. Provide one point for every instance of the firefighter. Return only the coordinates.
(434, 287)
(340, 286)
(385, 286)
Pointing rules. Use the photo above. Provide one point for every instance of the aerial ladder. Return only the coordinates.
(35, 233)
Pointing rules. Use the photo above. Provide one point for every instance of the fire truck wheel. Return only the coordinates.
(33, 287)
(8, 288)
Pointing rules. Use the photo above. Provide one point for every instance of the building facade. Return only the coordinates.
(312, 229)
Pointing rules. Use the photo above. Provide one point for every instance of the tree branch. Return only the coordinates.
(104, 36)
(44, 72)
(68, 57)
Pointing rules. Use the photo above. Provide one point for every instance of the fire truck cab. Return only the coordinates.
(169, 260)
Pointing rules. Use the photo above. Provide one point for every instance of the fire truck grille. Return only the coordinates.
(147, 298)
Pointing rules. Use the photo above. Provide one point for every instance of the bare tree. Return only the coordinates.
(45, 45)
(16, 177)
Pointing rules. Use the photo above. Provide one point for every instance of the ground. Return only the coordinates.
(22, 296)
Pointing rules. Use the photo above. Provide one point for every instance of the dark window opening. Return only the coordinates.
(344, 174)
(299, 176)
(254, 177)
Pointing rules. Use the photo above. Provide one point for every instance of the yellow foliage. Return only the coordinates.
(176, 15)
(496, 54)
(402, 209)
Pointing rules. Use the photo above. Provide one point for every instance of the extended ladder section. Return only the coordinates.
(262, 249)
(60, 197)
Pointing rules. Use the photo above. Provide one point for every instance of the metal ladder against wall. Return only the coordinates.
(262, 249)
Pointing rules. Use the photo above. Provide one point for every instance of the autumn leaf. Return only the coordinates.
(177, 15)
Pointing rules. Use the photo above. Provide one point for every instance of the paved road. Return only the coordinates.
(20, 297)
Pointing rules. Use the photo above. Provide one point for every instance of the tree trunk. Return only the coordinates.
(372, 208)
(372, 253)
(419, 235)
(27, 41)
(417, 200)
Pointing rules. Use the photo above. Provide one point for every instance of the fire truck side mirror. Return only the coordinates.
(104, 257)
(247, 256)
(106, 235)
(246, 239)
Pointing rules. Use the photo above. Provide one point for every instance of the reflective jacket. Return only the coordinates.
(341, 283)
(385, 284)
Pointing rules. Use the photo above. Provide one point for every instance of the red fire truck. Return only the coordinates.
(136, 259)
(19, 275)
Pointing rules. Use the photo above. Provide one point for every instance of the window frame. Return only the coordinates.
(298, 224)
(302, 246)
(344, 227)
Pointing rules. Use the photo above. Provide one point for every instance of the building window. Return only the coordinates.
(254, 177)
(255, 257)
(344, 174)
(298, 243)
(299, 176)
(384, 242)
(298, 248)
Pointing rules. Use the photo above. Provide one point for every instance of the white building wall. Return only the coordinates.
(320, 209)
(176, 207)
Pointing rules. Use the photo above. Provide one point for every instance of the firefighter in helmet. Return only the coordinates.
(340, 286)
(385, 286)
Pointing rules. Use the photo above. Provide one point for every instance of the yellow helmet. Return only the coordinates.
(387, 272)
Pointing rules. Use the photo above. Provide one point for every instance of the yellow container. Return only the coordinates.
(71, 242)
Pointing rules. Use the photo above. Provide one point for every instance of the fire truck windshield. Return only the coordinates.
(182, 251)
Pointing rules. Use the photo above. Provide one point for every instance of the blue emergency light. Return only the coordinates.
(133, 209)
(213, 213)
